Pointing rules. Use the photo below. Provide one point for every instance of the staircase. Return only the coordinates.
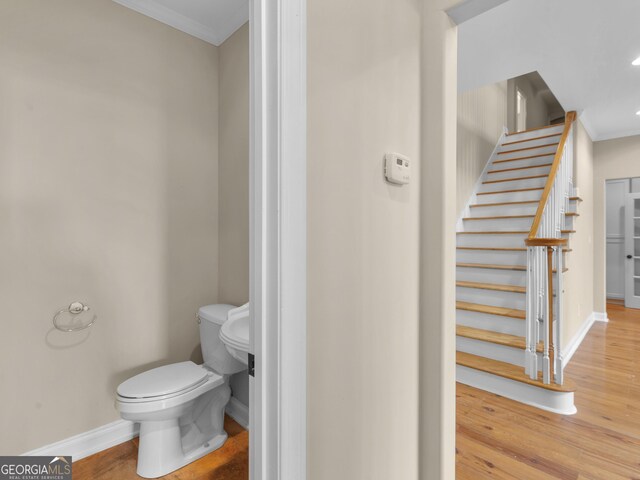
(509, 313)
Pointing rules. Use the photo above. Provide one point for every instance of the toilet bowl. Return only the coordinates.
(180, 407)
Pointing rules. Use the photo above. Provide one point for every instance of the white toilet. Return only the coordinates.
(180, 407)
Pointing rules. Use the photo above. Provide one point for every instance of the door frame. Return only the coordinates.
(278, 186)
(631, 300)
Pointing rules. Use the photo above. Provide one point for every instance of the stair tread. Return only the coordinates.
(490, 309)
(544, 165)
(504, 249)
(510, 232)
(511, 191)
(546, 145)
(499, 217)
(503, 180)
(535, 129)
(519, 268)
(572, 214)
(533, 139)
(503, 339)
(509, 371)
(528, 157)
(575, 199)
(500, 204)
(492, 286)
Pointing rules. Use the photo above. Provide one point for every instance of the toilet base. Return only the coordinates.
(160, 450)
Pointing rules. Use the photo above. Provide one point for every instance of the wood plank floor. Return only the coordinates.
(498, 438)
(230, 462)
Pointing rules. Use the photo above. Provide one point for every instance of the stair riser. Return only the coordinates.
(568, 223)
(528, 162)
(494, 323)
(514, 185)
(491, 297)
(487, 240)
(534, 134)
(498, 225)
(526, 153)
(517, 209)
(516, 173)
(532, 143)
(509, 197)
(514, 356)
(491, 275)
(491, 257)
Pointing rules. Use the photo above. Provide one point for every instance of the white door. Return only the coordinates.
(632, 247)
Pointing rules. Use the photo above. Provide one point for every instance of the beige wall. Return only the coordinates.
(580, 277)
(619, 158)
(108, 174)
(234, 168)
(537, 109)
(482, 117)
(363, 101)
(234, 181)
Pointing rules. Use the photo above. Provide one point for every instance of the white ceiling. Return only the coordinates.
(582, 48)
(210, 20)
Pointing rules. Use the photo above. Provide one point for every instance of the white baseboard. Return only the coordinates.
(88, 443)
(577, 339)
(115, 433)
(238, 411)
(600, 317)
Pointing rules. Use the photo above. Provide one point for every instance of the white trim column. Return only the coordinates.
(278, 240)
(437, 242)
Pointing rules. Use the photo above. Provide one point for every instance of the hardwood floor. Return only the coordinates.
(231, 462)
(498, 438)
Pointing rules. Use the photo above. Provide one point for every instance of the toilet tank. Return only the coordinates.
(214, 352)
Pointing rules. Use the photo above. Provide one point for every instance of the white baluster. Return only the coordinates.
(546, 364)
(559, 318)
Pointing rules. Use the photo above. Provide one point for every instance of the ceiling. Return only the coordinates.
(582, 48)
(210, 20)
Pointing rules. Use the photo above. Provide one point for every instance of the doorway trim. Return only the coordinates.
(278, 186)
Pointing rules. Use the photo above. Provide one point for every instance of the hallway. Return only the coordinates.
(501, 439)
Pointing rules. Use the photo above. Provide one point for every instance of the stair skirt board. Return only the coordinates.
(556, 402)
(502, 353)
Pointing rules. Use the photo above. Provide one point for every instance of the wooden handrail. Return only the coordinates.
(546, 242)
(570, 118)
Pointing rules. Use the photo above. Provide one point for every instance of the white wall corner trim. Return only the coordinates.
(88, 443)
(576, 341)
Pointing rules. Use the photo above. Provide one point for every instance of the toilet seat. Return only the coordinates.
(163, 382)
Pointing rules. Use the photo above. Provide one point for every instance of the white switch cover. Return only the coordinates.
(397, 168)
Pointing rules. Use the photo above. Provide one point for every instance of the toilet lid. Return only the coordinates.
(163, 380)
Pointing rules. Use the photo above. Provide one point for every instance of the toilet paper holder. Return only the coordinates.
(76, 308)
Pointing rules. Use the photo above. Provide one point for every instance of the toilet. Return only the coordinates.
(180, 407)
